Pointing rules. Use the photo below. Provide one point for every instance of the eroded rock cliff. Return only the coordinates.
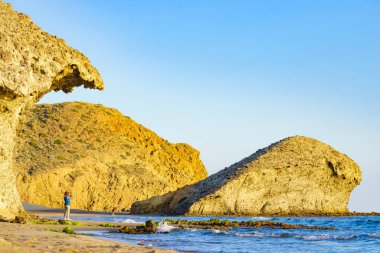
(297, 175)
(32, 63)
(106, 159)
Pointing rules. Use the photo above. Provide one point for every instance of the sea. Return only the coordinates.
(352, 234)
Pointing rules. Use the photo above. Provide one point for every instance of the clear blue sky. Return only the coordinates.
(230, 77)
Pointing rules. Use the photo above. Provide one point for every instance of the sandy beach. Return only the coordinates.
(37, 238)
(46, 211)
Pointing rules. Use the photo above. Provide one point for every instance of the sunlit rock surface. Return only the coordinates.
(32, 63)
(104, 158)
(295, 176)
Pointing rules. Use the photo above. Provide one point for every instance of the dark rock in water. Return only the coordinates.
(149, 227)
(68, 222)
(226, 224)
(68, 230)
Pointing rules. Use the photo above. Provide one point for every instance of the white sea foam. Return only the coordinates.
(165, 228)
(374, 235)
(258, 234)
(261, 218)
(132, 221)
(217, 231)
(326, 237)
(314, 237)
(244, 235)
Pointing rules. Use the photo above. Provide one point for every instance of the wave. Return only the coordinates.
(373, 221)
(131, 221)
(286, 235)
(323, 237)
(270, 235)
(254, 234)
(165, 228)
(217, 231)
(261, 218)
(319, 237)
(309, 237)
(374, 235)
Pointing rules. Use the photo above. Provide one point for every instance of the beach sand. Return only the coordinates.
(36, 238)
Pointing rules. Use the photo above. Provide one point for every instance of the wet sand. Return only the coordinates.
(36, 238)
(31, 238)
(45, 211)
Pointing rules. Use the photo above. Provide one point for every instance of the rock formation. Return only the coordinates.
(106, 159)
(295, 176)
(32, 63)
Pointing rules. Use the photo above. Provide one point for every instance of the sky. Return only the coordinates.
(231, 77)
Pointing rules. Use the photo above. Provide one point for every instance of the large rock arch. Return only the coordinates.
(32, 63)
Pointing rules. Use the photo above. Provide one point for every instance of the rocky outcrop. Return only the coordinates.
(295, 176)
(104, 158)
(32, 63)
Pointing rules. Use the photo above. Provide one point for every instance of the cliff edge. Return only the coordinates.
(104, 158)
(295, 176)
(32, 63)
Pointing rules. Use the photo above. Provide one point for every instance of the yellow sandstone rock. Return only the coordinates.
(32, 63)
(295, 176)
(104, 158)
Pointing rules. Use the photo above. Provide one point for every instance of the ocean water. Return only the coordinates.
(353, 234)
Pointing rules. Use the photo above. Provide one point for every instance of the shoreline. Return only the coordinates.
(38, 238)
(47, 238)
(46, 211)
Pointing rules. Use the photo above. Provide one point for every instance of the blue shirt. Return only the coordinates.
(67, 200)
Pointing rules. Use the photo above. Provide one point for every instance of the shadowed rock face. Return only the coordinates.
(32, 63)
(295, 176)
(104, 158)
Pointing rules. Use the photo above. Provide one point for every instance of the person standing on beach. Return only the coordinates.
(67, 199)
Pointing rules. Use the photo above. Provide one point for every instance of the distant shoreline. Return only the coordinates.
(46, 211)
